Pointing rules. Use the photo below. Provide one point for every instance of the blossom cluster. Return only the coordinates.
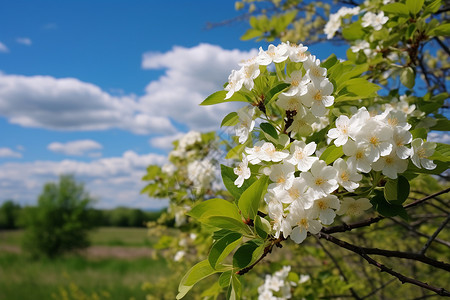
(277, 286)
(305, 193)
(334, 23)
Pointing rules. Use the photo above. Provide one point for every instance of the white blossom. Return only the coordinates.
(390, 165)
(321, 180)
(301, 155)
(347, 176)
(318, 97)
(421, 151)
(243, 172)
(354, 207)
(324, 208)
(246, 123)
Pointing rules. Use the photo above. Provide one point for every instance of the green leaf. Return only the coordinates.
(215, 207)
(419, 133)
(407, 77)
(251, 33)
(235, 153)
(361, 87)
(269, 129)
(221, 248)
(225, 279)
(396, 8)
(353, 32)
(226, 223)
(262, 227)
(244, 255)
(385, 208)
(442, 152)
(329, 62)
(441, 30)
(411, 29)
(441, 166)
(235, 289)
(275, 91)
(251, 198)
(396, 191)
(152, 172)
(331, 154)
(228, 178)
(432, 7)
(414, 6)
(219, 97)
(194, 275)
(441, 125)
(230, 120)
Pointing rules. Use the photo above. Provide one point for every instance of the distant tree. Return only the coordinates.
(61, 220)
(9, 215)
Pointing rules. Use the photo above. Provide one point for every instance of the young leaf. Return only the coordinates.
(244, 255)
(396, 8)
(251, 198)
(230, 120)
(262, 227)
(226, 223)
(219, 97)
(414, 6)
(225, 279)
(385, 208)
(408, 78)
(442, 152)
(194, 275)
(221, 248)
(331, 154)
(235, 289)
(396, 191)
(269, 129)
(215, 207)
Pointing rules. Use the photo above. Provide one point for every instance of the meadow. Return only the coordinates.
(119, 264)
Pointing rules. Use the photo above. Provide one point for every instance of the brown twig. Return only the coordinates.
(430, 240)
(402, 278)
(352, 291)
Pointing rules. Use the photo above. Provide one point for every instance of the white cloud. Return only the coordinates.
(165, 142)
(77, 148)
(113, 181)
(7, 152)
(24, 41)
(70, 104)
(3, 48)
(191, 75)
(439, 137)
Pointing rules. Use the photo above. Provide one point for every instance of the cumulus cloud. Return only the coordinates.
(70, 104)
(165, 142)
(76, 148)
(113, 181)
(3, 48)
(439, 136)
(7, 152)
(191, 75)
(24, 41)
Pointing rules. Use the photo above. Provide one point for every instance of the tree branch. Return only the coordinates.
(347, 227)
(430, 240)
(413, 230)
(402, 278)
(417, 202)
(352, 291)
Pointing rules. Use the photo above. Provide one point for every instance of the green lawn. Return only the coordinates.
(82, 276)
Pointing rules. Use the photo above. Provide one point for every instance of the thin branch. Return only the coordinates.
(352, 291)
(402, 278)
(417, 202)
(443, 46)
(430, 240)
(347, 227)
(413, 230)
(379, 288)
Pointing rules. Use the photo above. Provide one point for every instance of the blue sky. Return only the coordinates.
(99, 89)
(86, 87)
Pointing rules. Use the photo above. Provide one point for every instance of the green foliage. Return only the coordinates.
(9, 215)
(61, 221)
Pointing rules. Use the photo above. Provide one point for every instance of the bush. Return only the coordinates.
(61, 220)
(9, 214)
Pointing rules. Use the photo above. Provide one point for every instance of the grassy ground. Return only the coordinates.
(117, 265)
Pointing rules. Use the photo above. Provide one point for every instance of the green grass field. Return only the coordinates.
(115, 267)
